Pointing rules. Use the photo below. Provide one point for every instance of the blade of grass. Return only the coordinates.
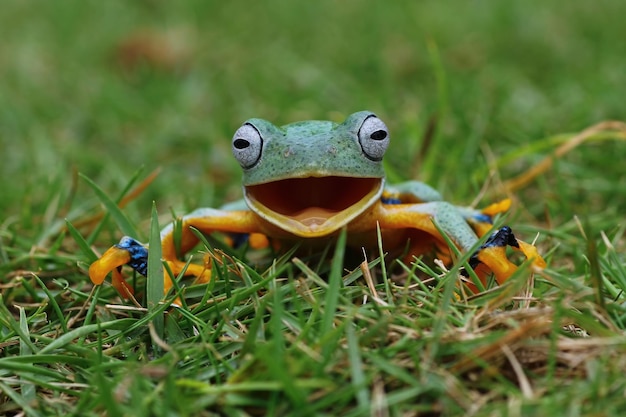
(154, 282)
(279, 368)
(334, 283)
(445, 302)
(595, 274)
(19, 400)
(112, 208)
(30, 289)
(53, 302)
(81, 242)
(31, 372)
(383, 265)
(359, 381)
(122, 200)
(28, 389)
(67, 338)
(7, 320)
(28, 362)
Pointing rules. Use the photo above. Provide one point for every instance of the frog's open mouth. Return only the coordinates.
(313, 206)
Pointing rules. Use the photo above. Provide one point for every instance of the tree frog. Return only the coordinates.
(306, 181)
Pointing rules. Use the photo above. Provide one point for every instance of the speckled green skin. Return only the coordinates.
(311, 148)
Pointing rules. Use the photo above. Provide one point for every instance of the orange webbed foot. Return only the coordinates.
(492, 255)
(127, 251)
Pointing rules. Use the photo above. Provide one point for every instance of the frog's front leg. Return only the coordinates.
(135, 254)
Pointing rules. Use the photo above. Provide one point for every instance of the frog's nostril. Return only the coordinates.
(288, 152)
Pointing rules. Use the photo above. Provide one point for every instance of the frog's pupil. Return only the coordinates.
(241, 143)
(378, 135)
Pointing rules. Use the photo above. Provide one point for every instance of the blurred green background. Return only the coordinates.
(104, 87)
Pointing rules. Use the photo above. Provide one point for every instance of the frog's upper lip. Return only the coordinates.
(313, 206)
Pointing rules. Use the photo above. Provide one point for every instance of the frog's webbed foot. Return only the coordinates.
(127, 252)
(492, 254)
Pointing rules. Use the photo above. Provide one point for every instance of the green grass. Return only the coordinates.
(473, 92)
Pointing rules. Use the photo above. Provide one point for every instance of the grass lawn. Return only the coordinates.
(94, 96)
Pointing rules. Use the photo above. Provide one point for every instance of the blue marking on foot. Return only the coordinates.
(390, 200)
(138, 254)
(482, 218)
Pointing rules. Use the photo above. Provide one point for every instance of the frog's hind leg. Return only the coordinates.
(465, 226)
(490, 257)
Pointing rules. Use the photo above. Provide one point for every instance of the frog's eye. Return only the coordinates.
(247, 145)
(374, 138)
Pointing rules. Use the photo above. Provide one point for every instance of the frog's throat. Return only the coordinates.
(313, 206)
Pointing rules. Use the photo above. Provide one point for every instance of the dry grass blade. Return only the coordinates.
(133, 194)
(533, 326)
(524, 179)
(522, 379)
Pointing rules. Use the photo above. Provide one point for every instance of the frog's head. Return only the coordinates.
(312, 178)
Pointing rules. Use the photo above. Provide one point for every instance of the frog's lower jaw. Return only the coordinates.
(313, 206)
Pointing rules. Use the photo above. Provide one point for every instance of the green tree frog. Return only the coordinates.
(306, 181)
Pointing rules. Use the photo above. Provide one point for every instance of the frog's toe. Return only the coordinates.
(120, 284)
(530, 251)
(202, 273)
(127, 251)
(497, 208)
(112, 259)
